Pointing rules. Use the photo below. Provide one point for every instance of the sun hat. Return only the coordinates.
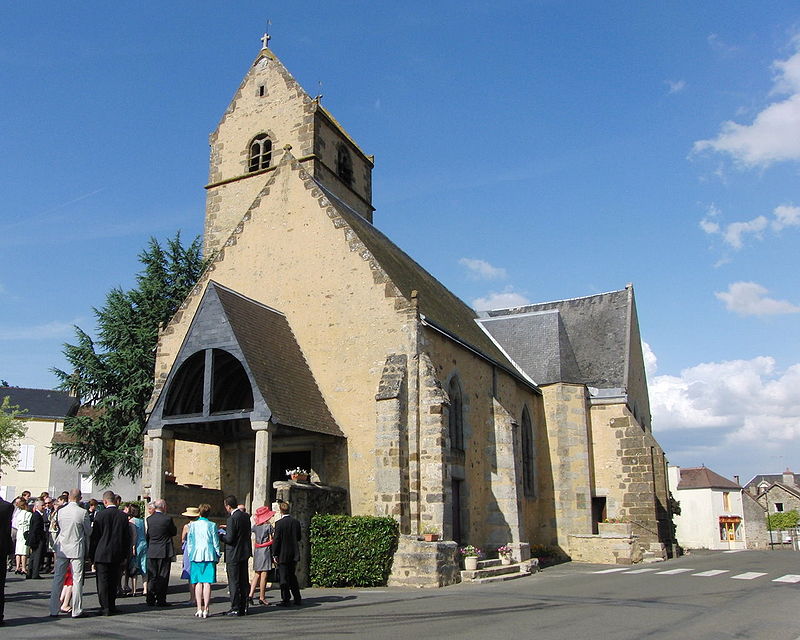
(191, 512)
(263, 514)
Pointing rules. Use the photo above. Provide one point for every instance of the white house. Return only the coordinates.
(712, 514)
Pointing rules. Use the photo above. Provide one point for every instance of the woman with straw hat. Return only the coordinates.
(262, 554)
(193, 513)
(202, 546)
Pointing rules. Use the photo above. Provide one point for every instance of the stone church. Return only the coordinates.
(313, 341)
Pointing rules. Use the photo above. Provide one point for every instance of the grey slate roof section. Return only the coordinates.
(436, 302)
(538, 343)
(592, 339)
(41, 403)
(285, 391)
(277, 364)
(772, 478)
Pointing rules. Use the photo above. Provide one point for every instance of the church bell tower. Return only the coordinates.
(271, 114)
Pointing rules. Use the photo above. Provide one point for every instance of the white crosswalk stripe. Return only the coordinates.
(630, 573)
(614, 570)
(711, 573)
(748, 575)
(673, 572)
(790, 577)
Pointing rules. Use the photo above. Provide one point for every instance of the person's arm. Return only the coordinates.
(173, 531)
(215, 539)
(231, 529)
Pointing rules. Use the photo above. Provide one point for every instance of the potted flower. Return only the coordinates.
(298, 474)
(430, 533)
(505, 554)
(470, 553)
(169, 477)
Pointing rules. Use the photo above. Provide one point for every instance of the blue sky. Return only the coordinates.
(525, 151)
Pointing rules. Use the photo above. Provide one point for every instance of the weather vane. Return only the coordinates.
(266, 37)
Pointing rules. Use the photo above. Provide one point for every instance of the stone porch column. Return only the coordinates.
(158, 460)
(262, 462)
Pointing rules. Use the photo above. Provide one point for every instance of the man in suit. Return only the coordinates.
(160, 549)
(286, 551)
(237, 552)
(109, 544)
(72, 531)
(6, 549)
(37, 541)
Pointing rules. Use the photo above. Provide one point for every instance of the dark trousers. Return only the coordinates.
(238, 585)
(288, 579)
(35, 561)
(158, 579)
(3, 569)
(107, 574)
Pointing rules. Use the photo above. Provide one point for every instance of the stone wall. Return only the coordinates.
(755, 523)
(605, 549)
(424, 564)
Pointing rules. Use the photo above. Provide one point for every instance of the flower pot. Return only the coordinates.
(430, 537)
(505, 560)
(471, 563)
(299, 477)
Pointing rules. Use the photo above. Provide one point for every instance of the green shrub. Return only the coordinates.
(783, 520)
(351, 551)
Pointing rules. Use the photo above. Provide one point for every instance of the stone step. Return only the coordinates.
(501, 578)
(492, 571)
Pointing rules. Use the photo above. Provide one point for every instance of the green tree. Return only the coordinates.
(783, 520)
(114, 374)
(11, 431)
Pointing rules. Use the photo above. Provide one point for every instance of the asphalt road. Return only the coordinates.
(753, 595)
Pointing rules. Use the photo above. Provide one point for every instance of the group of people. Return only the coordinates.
(121, 545)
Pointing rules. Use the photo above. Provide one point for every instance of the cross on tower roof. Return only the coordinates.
(265, 41)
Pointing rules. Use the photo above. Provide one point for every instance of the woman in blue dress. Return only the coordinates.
(138, 562)
(202, 547)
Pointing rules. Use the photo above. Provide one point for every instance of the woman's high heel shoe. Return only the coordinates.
(199, 613)
(205, 613)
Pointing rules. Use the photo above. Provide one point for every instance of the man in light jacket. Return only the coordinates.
(70, 545)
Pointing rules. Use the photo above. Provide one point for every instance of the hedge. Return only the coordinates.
(352, 551)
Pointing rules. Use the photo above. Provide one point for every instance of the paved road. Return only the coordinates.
(705, 596)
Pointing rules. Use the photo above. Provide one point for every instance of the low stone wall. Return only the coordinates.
(606, 549)
(424, 564)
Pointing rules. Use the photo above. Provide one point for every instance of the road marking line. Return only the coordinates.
(673, 572)
(733, 551)
(791, 577)
(710, 574)
(630, 573)
(749, 575)
(613, 570)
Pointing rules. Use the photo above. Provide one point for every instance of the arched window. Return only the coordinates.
(456, 415)
(260, 152)
(528, 455)
(344, 165)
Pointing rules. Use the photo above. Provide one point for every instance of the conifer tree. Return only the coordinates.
(12, 428)
(113, 376)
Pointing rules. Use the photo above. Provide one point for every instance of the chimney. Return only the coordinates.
(788, 477)
(736, 480)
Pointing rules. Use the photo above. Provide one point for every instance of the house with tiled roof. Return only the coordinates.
(37, 469)
(711, 509)
(313, 341)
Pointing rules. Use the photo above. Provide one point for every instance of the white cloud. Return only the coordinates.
(750, 299)
(743, 400)
(500, 300)
(734, 233)
(482, 270)
(786, 216)
(650, 360)
(45, 331)
(774, 134)
(675, 86)
(720, 46)
(735, 230)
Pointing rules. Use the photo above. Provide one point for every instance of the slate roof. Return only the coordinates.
(41, 403)
(704, 478)
(583, 340)
(277, 363)
(438, 304)
(772, 478)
